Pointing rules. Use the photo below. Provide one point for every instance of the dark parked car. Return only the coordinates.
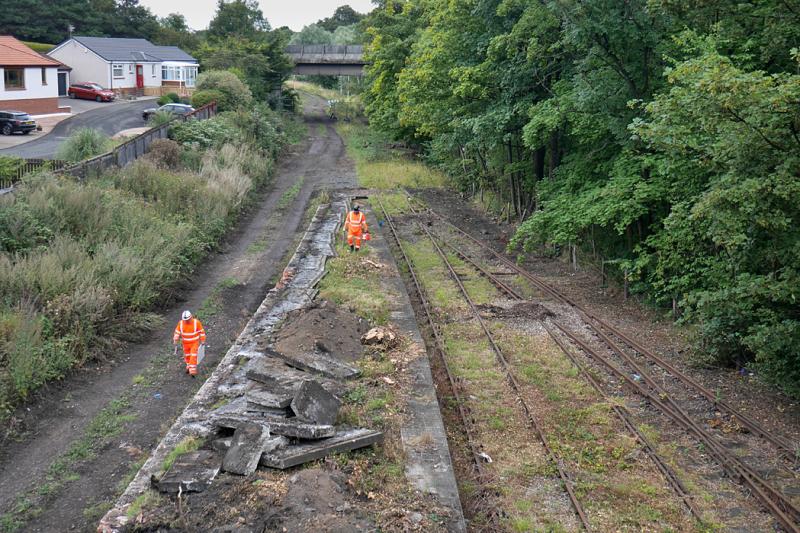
(90, 91)
(175, 109)
(13, 121)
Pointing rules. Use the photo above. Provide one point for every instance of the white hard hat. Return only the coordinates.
(186, 315)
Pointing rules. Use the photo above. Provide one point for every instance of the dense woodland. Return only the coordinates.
(660, 135)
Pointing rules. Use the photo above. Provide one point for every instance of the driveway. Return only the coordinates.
(110, 118)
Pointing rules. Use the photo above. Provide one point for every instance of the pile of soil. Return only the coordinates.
(531, 310)
(317, 500)
(313, 499)
(323, 328)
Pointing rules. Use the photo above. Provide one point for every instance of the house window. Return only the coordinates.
(130, 69)
(118, 72)
(153, 70)
(14, 78)
(191, 76)
(171, 73)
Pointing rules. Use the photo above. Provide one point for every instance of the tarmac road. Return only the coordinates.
(110, 119)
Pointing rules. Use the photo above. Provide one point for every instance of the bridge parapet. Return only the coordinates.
(326, 54)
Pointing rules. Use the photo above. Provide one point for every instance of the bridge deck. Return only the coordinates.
(326, 54)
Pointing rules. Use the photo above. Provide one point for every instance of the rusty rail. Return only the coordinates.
(668, 473)
(534, 424)
(773, 500)
(787, 447)
(439, 348)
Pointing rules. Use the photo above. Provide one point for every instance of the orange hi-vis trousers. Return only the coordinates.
(355, 224)
(191, 333)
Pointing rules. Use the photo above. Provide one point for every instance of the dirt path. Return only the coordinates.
(149, 386)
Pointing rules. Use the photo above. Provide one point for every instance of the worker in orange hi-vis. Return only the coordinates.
(355, 225)
(190, 331)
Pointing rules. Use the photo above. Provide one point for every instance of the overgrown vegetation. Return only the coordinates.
(661, 136)
(82, 265)
(380, 167)
(84, 143)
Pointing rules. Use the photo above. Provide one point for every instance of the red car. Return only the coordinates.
(90, 91)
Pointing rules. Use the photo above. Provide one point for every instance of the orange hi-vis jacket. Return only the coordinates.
(355, 223)
(191, 332)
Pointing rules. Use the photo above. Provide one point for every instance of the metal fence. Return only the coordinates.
(131, 150)
(28, 166)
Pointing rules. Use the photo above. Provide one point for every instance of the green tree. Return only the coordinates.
(241, 18)
(391, 32)
(343, 16)
(312, 34)
(48, 21)
(236, 95)
(348, 35)
(174, 31)
(731, 246)
(261, 63)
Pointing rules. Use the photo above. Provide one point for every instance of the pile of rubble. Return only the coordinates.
(285, 415)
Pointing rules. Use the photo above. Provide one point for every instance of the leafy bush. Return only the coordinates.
(235, 94)
(9, 165)
(84, 143)
(174, 97)
(202, 134)
(290, 100)
(258, 126)
(201, 98)
(160, 117)
(20, 230)
(164, 153)
(164, 100)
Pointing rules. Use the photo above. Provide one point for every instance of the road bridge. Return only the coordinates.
(327, 60)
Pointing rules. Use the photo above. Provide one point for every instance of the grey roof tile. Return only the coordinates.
(123, 49)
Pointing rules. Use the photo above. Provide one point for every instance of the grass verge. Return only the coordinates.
(381, 167)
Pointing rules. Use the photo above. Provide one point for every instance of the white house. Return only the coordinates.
(127, 65)
(29, 79)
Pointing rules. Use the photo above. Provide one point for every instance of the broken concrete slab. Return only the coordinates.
(292, 427)
(259, 410)
(312, 403)
(302, 453)
(318, 364)
(247, 445)
(277, 398)
(222, 444)
(289, 427)
(234, 406)
(191, 472)
(273, 373)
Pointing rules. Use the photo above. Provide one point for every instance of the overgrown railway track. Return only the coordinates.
(456, 389)
(502, 361)
(772, 499)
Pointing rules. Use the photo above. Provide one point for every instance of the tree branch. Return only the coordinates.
(753, 128)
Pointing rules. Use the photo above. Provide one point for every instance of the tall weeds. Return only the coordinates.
(82, 265)
(85, 143)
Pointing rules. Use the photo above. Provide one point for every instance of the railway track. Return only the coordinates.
(500, 357)
(456, 389)
(788, 449)
(773, 500)
(503, 363)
